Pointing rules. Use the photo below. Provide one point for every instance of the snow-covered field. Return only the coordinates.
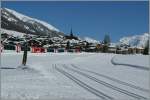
(73, 76)
(137, 61)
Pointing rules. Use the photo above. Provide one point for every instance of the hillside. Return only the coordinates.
(12, 20)
(136, 40)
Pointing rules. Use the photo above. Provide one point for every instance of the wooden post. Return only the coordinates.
(25, 54)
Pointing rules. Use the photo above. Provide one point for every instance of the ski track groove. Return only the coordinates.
(113, 79)
(107, 84)
(129, 65)
(84, 85)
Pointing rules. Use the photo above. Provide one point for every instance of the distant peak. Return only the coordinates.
(135, 40)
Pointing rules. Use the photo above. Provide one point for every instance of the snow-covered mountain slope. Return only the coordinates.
(13, 33)
(136, 40)
(13, 20)
(90, 40)
(26, 18)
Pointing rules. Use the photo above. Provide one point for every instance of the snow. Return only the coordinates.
(57, 39)
(11, 32)
(15, 33)
(32, 20)
(90, 40)
(112, 45)
(42, 80)
(136, 40)
(26, 27)
(73, 41)
(11, 19)
(126, 60)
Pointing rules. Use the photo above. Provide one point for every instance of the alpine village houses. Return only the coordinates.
(69, 43)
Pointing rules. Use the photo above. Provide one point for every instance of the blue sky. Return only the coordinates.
(92, 19)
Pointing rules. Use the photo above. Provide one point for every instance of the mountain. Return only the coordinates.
(12, 20)
(90, 40)
(13, 33)
(136, 40)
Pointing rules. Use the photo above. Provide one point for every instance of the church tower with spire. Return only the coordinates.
(71, 33)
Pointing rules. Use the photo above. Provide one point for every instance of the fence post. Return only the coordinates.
(25, 54)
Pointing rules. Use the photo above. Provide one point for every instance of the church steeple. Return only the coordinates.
(71, 33)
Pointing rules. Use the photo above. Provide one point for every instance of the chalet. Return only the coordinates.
(122, 51)
(99, 47)
(4, 35)
(135, 50)
(132, 50)
(50, 49)
(139, 50)
(9, 47)
(38, 50)
(112, 48)
(34, 43)
(91, 48)
(76, 48)
(122, 48)
(61, 50)
(82, 45)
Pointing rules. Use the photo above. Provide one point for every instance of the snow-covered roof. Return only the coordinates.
(113, 45)
(90, 40)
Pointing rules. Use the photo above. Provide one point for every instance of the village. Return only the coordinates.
(79, 50)
(67, 43)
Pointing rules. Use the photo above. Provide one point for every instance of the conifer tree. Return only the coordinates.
(146, 49)
(106, 43)
(107, 40)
